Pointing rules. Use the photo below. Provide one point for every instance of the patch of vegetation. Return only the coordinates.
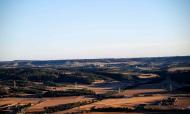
(180, 77)
(15, 109)
(3, 91)
(63, 107)
(112, 109)
(25, 90)
(184, 89)
(70, 92)
(50, 83)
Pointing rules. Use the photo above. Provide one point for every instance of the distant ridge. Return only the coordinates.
(76, 62)
(99, 58)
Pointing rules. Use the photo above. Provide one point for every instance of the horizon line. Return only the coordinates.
(94, 58)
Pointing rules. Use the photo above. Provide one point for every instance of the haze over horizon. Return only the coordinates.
(82, 29)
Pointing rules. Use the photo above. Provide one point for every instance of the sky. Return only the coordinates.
(85, 29)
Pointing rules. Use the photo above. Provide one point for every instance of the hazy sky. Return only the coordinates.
(74, 29)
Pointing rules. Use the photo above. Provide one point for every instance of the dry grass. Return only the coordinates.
(38, 104)
(123, 102)
(55, 101)
(113, 113)
(173, 69)
(106, 113)
(183, 102)
(13, 101)
(132, 92)
(120, 102)
(145, 76)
